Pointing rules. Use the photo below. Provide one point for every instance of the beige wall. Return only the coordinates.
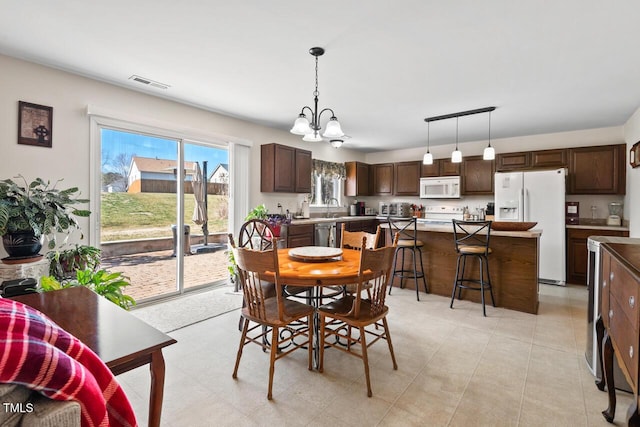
(632, 135)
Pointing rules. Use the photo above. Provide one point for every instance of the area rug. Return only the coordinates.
(186, 310)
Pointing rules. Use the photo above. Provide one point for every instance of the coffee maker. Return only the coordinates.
(615, 214)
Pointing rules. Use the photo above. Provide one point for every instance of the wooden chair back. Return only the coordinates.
(375, 269)
(252, 267)
(353, 239)
(256, 234)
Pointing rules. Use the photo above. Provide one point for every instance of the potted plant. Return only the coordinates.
(274, 220)
(102, 282)
(64, 263)
(35, 211)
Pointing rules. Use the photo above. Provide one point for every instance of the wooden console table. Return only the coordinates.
(119, 338)
(618, 327)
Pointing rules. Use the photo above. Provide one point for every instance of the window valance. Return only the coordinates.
(328, 170)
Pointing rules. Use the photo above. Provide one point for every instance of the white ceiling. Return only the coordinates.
(549, 66)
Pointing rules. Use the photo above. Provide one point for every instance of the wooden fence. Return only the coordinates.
(166, 186)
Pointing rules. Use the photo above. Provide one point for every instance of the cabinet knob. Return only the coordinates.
(632, 301)
(611, 314)
(630, 352)
(611, 275)
(604, 283)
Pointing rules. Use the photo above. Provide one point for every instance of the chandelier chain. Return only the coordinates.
(315, 92)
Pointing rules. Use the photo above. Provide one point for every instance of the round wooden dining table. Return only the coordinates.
(341, 270)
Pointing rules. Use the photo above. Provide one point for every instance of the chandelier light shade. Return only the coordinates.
(489, 152)
(311, 129)
(427, 159)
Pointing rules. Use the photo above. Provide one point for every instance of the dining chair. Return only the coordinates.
(255, 234)
(272, 316)
(353, 240)
(358, 313)
(472, 240)
(407, 228)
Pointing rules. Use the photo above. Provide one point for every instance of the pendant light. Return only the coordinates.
(489, 153)
(428, 157)
(456, 156)
(310, 130)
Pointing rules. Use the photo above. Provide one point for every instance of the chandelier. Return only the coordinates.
(311, 130)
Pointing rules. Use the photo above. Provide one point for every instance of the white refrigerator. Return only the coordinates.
(537, 196)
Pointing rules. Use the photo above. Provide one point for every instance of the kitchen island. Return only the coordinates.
(513, 265)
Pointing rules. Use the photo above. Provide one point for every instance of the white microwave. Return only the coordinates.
(444, 187)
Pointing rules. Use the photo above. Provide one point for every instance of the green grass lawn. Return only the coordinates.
(126, 216)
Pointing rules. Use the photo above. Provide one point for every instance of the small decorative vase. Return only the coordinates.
(21, 244)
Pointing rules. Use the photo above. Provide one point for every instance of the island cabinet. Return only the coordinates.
(357, 179)
(577, 253)
(382, 179)
(406, 178)
(440, 167)
(284, 169)
(597, 170)
(513, 265)
(477, 176)
(620, 318)
(300, 235)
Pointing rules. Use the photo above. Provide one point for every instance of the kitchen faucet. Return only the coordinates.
(328, 203)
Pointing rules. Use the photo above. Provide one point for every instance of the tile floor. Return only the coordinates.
(455, 368)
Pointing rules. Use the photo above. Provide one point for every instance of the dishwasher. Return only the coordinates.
(325, 234)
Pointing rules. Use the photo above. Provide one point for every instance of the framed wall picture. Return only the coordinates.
(634, 155)
(35, 124)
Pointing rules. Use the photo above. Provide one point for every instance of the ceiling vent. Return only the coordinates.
(148, 82)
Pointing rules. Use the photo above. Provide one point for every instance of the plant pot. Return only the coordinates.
(21, 244)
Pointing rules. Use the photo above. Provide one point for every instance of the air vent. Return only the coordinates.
(148, 82)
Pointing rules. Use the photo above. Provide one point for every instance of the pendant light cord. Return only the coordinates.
(489, 128)
(428, 137)
(457, 133)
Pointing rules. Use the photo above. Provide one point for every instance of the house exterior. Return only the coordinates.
(153, 175)
(220, 174)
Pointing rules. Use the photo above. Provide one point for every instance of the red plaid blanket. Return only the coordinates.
(38, 354)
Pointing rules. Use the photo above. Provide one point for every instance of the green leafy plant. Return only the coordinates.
(232, 267)
(39, 207)
(102, 282)
(259, 212)
(64, 263)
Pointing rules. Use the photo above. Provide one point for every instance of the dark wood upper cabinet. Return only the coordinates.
(303, 171)
(513, 161)
(597, 170)
(382, 178)
(448, 168)
(284, 169)
(550, 158)
(357, 180)
(477, 175)
(431, 170)
(407, 178)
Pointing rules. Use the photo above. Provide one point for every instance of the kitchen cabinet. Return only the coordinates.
(407, 178)
(440, 167)
(382, 179)
(357, 179)
(549, 158)
(513, 161)
(577, 254)
(477, 176)
(300, 235)
(284, 169)
(597, 170)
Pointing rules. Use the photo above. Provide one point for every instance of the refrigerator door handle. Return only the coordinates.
(525, 210)
(521, 204)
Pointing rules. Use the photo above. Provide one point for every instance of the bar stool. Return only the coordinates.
(407, 230)
(472, 240)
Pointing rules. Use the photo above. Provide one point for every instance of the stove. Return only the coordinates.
(441, 214)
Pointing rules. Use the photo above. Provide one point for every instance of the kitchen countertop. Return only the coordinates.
(321, 220)
(448, 228)
(597, 224)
